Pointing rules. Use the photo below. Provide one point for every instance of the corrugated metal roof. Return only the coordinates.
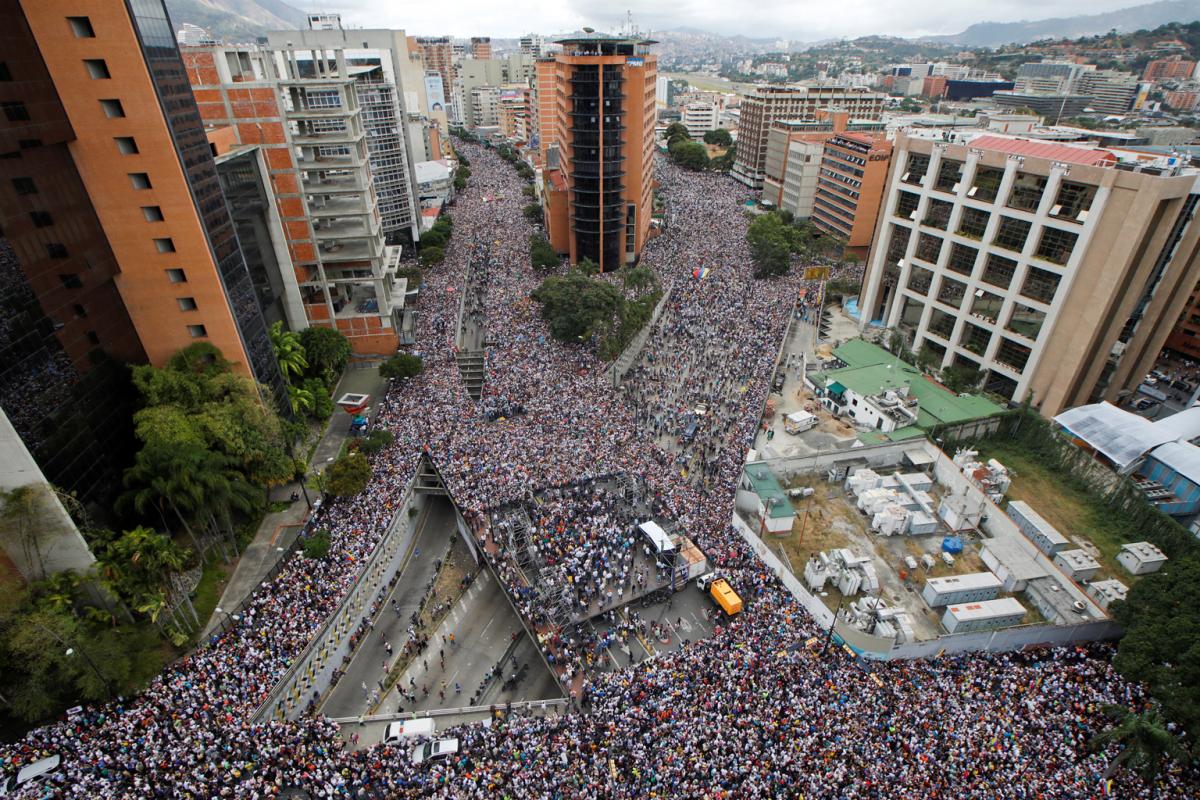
(1180, 457)
(1047, 150)
(1124, 437)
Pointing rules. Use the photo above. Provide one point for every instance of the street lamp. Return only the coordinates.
(233, 618)
(70, 651)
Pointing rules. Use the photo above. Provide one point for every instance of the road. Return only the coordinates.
(435, 532)
(483, 624)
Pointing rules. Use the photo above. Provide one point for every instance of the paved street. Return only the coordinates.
(431, 543)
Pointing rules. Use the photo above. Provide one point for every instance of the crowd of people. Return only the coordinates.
(763, 708)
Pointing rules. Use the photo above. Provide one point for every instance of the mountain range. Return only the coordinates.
(236, 20)
(1143, 17)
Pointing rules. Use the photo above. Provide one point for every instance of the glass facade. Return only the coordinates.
(191, 144)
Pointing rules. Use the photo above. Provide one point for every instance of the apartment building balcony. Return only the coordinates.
(329, 229)
(351, 136)
(318, 182)
(346, 251)
(340, 205)
(365, 299)
(310, 160)
(319, 112)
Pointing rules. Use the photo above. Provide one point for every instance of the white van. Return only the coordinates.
(408, 729)
(434, 751)
(36, 772)
(799, 422)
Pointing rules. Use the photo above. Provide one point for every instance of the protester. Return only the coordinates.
(756, 710)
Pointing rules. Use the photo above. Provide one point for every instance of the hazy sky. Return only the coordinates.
(802, 20)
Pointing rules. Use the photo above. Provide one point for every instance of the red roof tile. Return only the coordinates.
(1048, 150)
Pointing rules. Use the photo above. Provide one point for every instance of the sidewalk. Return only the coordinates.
(279, 529)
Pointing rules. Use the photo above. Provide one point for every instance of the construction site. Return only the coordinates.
(910, 546)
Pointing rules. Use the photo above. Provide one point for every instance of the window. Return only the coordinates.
(126, 145)
(973, 223)
(15, 111)
(1056, 245)
(165, 245)
(897, 244)
(186, 303)
(5, 72)
(24, 186)
(1073, 203)
(906, 205)
(56, 250)
(975, 339)
(1040, 285)
(986, 185)
(941, 324)
(949, 175)
(1025, 321)
(1026, 192)
(70, 280)
(80, 311)
(112, 108)
(176, 276)
(97, 69)
(919, 280)
(1012, 355)
(139, 180)
(986, 306)
(41, 219)
(951, 292)
(937, 214)
(81, 27)
(1012, 233)
(152, 213)
(914, 171)
(962, 259)
(93, 337)
(197, 331)
(999, 271)
(928, 248)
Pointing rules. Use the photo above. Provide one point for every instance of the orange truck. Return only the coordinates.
(721, 592)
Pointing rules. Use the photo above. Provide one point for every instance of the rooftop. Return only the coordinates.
(767, 487)
(1123, 436)
(1089, 156)
(986, 609)
(972, 580)
(1144, 551)
(871, 370)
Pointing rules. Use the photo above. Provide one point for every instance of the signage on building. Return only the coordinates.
(634, 62)
(435, 92)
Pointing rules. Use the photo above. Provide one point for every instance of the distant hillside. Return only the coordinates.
(1151, 15)
(237, 20)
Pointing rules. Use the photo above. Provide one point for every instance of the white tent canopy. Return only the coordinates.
(1124, 437)
(657, 536)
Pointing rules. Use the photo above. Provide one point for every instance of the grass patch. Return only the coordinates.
(1072, 509)
(208, 591)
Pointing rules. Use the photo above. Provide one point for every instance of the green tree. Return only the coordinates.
(327, 351)
(961, 378)
(432, 255)
(316, 546)
(638, 279)
(23, 519)
(401, 365)
(576, 306)
(588, 267)
(723, 162)
(375, 441)
(770, 244)
(349, 475)
(322, 402)
(533, 213)
(300, 399)
(1145, 743)
(675, 132)
(689, 155)
(720, 137)
(1161, 646)
(541, 254)
(288, 351)
(434, 238)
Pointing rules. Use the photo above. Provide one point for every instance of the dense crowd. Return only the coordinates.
(760, 709)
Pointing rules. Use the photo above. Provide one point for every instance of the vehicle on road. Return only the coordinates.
(1145, 403)
(408, 729)
(434, 751)
(721, 592)
(780, 378)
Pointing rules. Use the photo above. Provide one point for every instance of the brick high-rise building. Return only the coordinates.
(599, 117)
(765, 105)
(437, 52)
(481, 47)
(850, 185)
(1175, 68)
(118, 244)
(1057, 270)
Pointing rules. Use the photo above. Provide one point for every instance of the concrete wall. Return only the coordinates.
(812, 604)
(629, 355)
(60, 546)
(312, 672)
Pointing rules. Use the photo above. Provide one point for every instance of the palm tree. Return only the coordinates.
(224, 489)
(302, 400)
(288, 351)
(1145, 742)
(158, 480)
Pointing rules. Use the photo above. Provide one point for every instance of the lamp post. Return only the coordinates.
(233, 618)
(70, 651)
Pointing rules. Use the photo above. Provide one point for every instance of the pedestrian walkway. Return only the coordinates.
(279, 529)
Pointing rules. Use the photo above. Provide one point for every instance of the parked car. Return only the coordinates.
(30, 774)
(434, 751)
(1144, 403)
(780, 377)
